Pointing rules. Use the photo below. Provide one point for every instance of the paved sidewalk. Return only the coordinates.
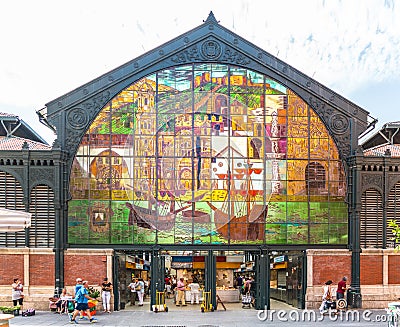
(191, 316)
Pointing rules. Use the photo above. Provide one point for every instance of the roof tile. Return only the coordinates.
(16, 143)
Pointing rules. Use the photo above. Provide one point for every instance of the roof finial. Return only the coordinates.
(211, 18)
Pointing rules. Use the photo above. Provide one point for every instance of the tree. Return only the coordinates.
(396, 233)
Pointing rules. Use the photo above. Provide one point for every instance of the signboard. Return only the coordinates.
(280, 258)
(181, 265)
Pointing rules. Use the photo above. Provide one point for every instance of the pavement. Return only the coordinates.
(280, 314)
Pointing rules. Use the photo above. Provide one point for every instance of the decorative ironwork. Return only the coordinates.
(369, 180)
(235, 57)
(339, 123)
(211, 50)
(77, 118)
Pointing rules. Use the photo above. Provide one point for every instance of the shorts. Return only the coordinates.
(339, 295)
(19, 301)
(82, 306)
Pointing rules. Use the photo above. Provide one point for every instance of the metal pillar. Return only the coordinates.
(262, 268)
(116, 288)
(211, 277)
(303, 284)
(58, 254)
(354, 231)
(157, 275)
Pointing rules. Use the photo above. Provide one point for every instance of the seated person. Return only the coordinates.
(63, 301)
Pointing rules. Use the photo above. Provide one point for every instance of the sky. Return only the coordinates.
(50, 47)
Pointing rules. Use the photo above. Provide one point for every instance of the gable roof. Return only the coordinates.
(389, 134)
(178, 51)
(209, 43)
(12, 126)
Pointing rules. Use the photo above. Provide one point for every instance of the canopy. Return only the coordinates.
(13, 220)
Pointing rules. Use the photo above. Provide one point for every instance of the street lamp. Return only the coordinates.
(14, 221)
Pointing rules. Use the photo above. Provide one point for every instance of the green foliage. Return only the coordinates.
(93, 293)
(9, 310)
(396, 233)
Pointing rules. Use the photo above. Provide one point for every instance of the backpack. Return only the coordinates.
(70, 306)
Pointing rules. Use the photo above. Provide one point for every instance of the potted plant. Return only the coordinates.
(93, 293)
(14, 310)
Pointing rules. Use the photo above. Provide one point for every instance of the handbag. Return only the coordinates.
(138, 288)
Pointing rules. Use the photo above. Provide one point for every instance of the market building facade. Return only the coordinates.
(206, 146)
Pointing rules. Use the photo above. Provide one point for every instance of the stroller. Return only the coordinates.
(330, 304)
(247, 300)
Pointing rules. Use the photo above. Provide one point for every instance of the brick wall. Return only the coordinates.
(332, 267)
(41, 268)
(371, 269)
(92, 268)
(11, 266)
(394, 269)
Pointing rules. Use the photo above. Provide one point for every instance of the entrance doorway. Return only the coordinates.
(228, 275)
(288, 278)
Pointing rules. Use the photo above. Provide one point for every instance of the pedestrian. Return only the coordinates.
(341, 289)
(326, 297)
(106, 288)
(82, 298)
(148, 286)
(140, 290)
(168, 289)
(180, 287)
(173, 284)
(194, 291)
(132, 288)
(239, 282)
(17, 293)
(77, 288)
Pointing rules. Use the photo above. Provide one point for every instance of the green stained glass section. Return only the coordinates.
(207, 154)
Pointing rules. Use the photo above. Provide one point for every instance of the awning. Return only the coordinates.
(13, 220)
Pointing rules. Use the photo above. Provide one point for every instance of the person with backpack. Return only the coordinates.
(82, 297)
(326, 297)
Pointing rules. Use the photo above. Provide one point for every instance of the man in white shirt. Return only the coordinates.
(132, 287)
(194, 291)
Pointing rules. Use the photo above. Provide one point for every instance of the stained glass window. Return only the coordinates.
(207, 154)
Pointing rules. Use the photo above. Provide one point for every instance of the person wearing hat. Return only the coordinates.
(82, 298)
(77, 288)
(78, 284)
(106, 288)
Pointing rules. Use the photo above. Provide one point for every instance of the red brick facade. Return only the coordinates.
(41, 269)
(11, 266)
(327, 267)
(371, 269)
(92, 268)
(394, 269)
